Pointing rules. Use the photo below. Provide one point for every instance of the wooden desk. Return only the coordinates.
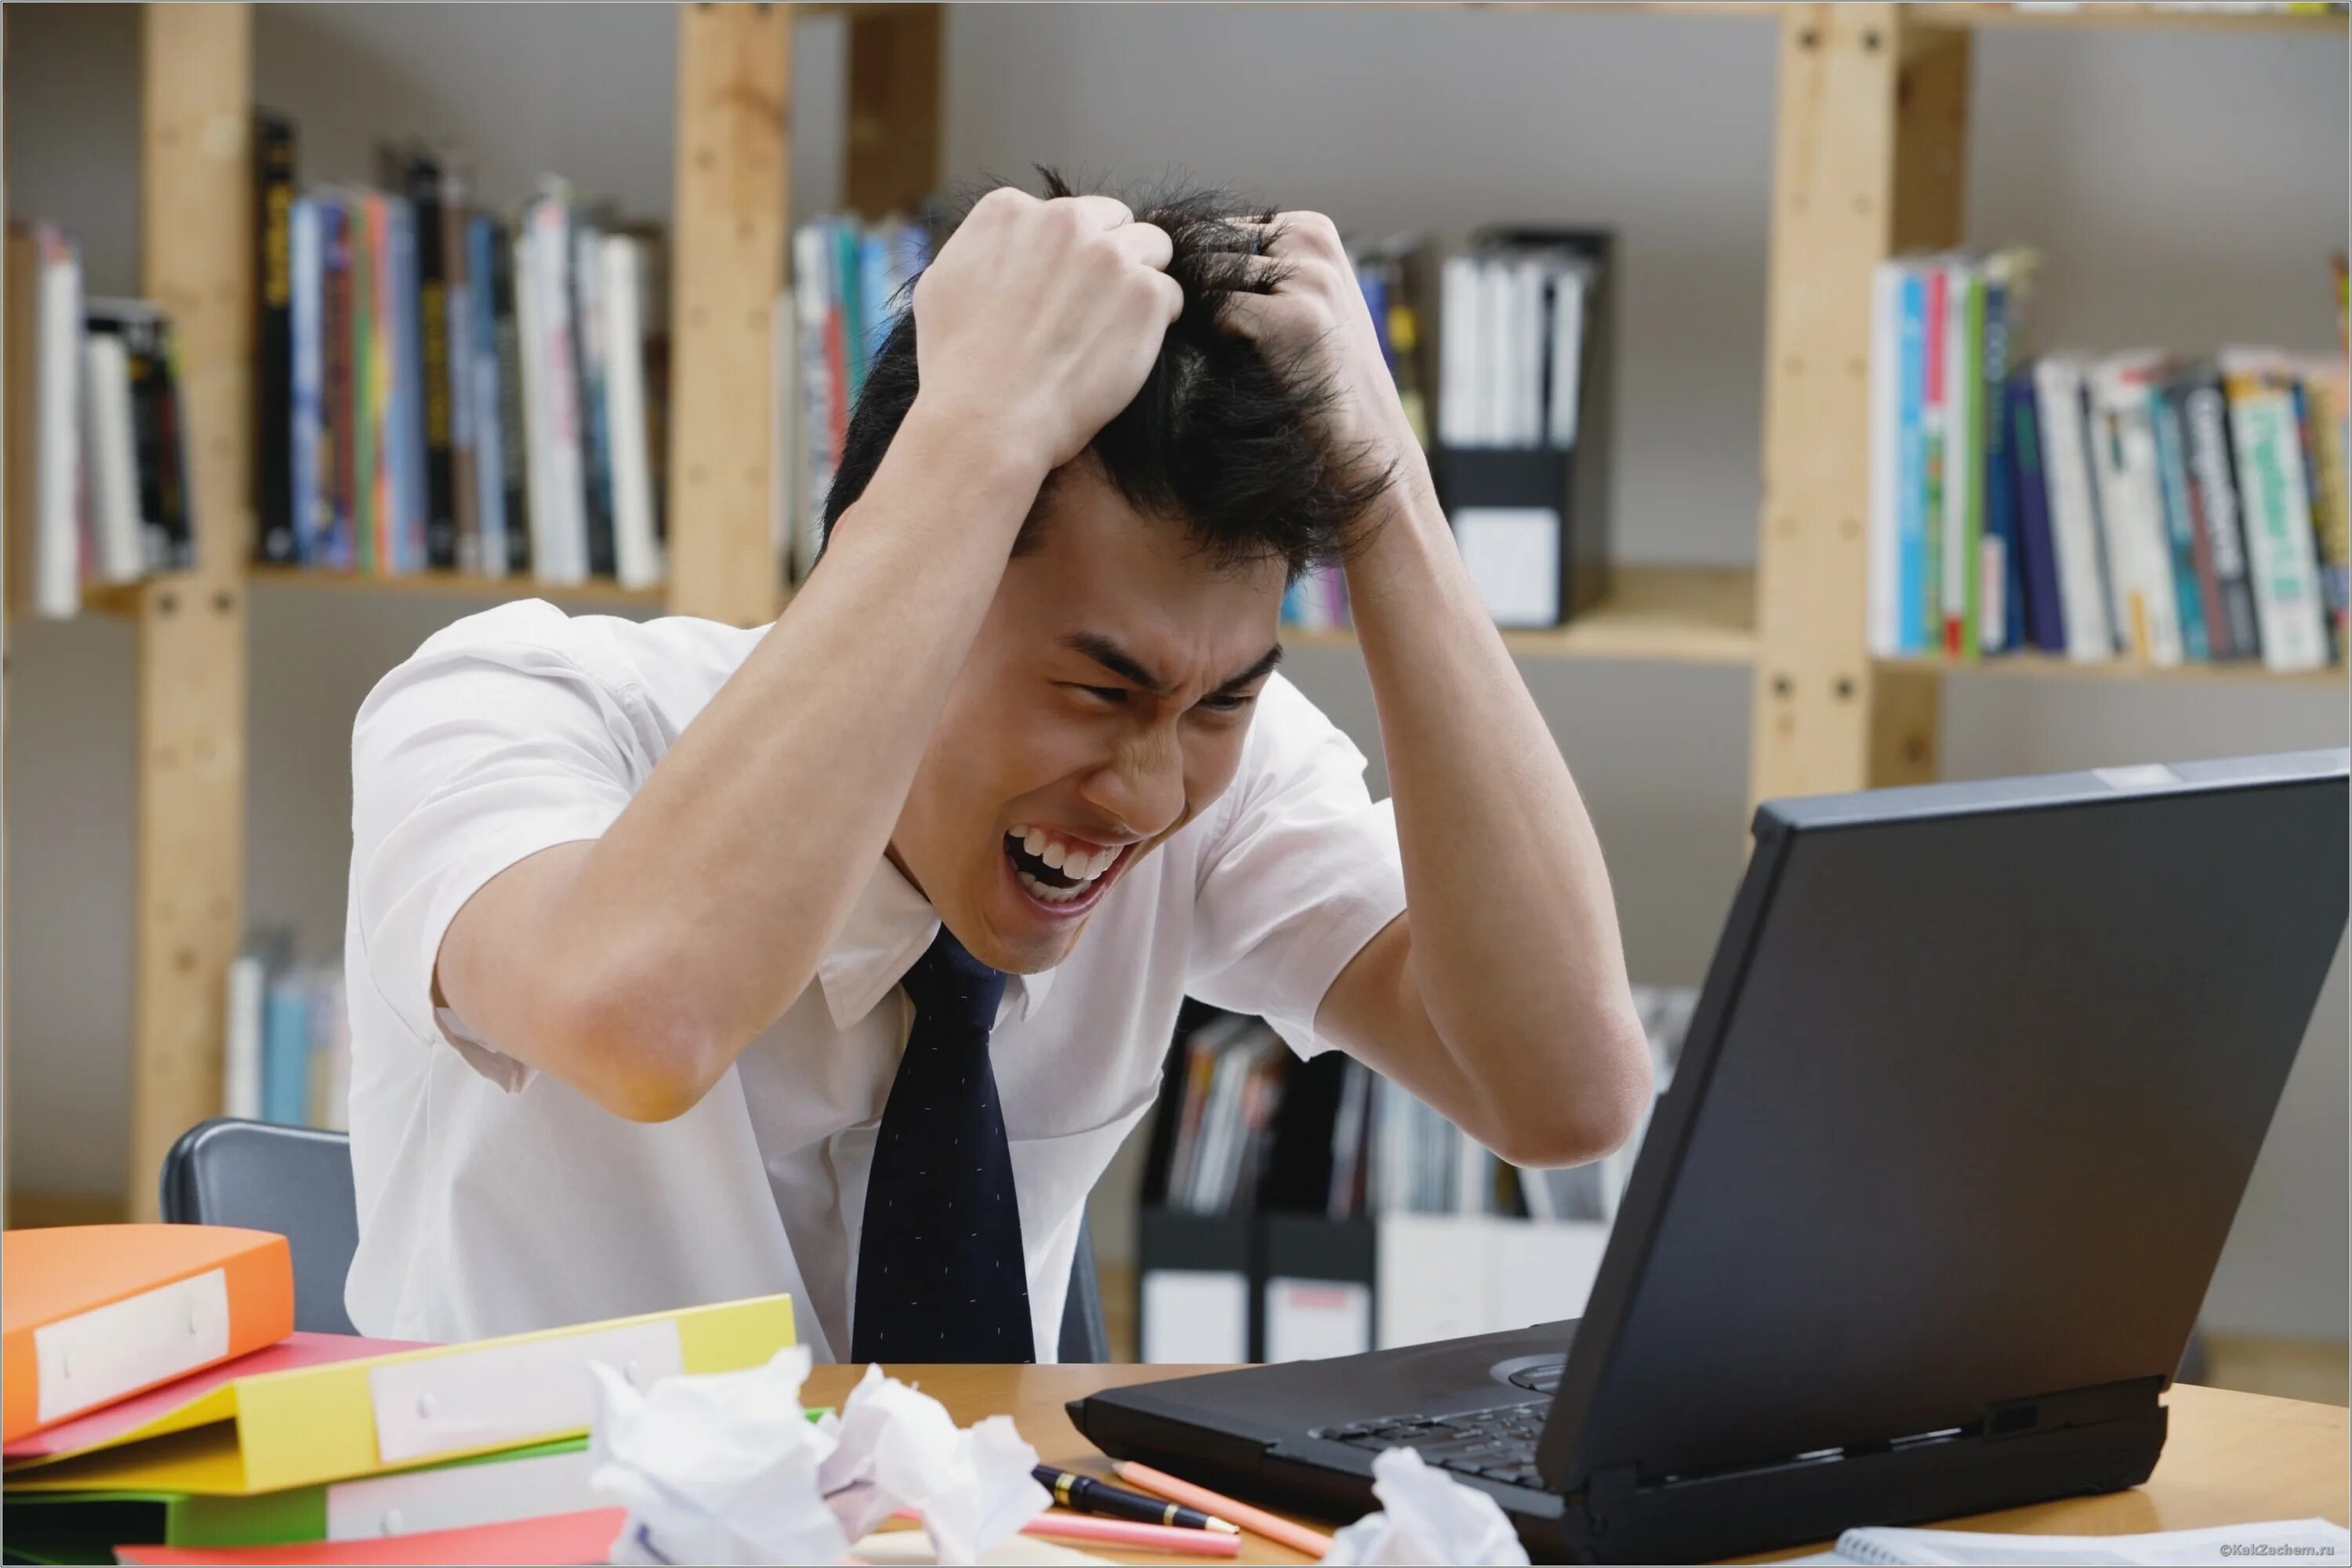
(2231, 1458)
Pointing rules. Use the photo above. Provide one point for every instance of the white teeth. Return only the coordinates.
(1044, 894)
(1054, 854)
(1032, 839)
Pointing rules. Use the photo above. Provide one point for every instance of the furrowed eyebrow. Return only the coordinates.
(1258, 671)
(1129, 668)
(1116, 659)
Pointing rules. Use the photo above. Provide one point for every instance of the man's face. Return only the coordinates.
(1102, 707)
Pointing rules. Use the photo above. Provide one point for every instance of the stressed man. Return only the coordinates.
(836, 957)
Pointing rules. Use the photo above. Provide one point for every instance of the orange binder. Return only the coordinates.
(95, 1313)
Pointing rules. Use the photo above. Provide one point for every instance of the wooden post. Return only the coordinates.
(1868, 160)
(196, 261)
(894, 107)
(734, 82)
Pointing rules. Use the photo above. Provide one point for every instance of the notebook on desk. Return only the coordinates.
(1921, 1226)
(2289, 1540)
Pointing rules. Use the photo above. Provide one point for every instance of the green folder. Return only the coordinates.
(86, 1527)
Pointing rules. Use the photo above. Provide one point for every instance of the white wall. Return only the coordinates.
(2185, 190)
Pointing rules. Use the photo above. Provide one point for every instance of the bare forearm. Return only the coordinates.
(703, 911)
(1515, 947)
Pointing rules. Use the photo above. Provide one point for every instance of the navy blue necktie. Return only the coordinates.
(941, 1274)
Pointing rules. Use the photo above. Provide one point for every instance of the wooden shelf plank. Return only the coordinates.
(2045, 666)
(602, 591)
(2109, 18)
(1676, 615)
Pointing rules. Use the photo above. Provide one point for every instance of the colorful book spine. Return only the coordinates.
(2190, 584)
(2212, 477)
(2281, 551)
(2000, 617)
(454, 241)
(1885, 610)
(589, 349)
(305, 429)
(484, 408)
(1911, 458)
(1935, 406)
(273, 150)
(335, 380)
(2320, 409)
(415, 479)
(514, 451)
(431, 333)
(2046, 603)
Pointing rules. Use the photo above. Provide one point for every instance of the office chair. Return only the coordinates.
(296, 1181)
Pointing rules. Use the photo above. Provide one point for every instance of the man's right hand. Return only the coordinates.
(1042, 319)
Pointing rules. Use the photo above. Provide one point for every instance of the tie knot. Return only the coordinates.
(948, 985)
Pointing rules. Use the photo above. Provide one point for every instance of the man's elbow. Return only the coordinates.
(642, 1063)
(1595, 1109)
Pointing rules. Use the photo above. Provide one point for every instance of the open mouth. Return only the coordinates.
(1058, 871)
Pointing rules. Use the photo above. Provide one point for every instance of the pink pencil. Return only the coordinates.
(1297, 1537)
(1058, 1525)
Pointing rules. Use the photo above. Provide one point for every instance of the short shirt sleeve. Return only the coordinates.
(493, 743)
(1301, 871)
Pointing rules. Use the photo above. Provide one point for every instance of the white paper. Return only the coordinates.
(96, 1357)
(2286, 1539)
(719, 1468)
(898, 1447)
(1195, 1317)
(503, 1394)
(1307, 1319)
(1513, 554)
(727, 1469)
(1425, 1516)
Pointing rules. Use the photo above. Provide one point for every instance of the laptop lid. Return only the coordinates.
(1973, 1090)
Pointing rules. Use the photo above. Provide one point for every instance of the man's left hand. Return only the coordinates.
(1316, 313)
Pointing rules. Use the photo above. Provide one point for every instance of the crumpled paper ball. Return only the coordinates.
(1426, 1517)
(726, 1469)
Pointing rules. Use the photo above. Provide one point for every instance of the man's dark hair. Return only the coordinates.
(1222, 440)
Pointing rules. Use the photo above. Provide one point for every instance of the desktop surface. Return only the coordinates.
(2231, 1458)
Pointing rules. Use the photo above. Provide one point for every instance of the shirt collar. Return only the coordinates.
(888, 928)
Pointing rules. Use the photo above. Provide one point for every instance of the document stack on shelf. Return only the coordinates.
(202, 1420)
(2129, 506)
(97, 442)
(1307, 1208)
(441, 388)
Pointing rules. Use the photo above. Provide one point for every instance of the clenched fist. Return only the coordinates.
(1040, 320)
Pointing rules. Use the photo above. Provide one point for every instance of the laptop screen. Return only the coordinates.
(1969, 1103)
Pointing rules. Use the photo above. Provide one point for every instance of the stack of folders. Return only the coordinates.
(1303, 1208)
(98, 486)
(445, 388)
(2131, 506)
(159, 1396)
(288, 1038)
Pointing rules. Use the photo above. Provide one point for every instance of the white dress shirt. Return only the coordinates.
(494, 1199)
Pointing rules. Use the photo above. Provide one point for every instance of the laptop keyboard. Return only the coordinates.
(1498, 1444)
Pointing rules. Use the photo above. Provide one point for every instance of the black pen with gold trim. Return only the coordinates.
(1088, 1494)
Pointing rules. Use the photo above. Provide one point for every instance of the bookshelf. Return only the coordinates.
(1870, 141)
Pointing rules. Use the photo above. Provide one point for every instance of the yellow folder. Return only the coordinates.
(414, 1407)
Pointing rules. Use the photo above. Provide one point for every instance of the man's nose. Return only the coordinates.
(1142, 785)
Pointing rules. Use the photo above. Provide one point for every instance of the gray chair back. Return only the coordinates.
(296, 1181)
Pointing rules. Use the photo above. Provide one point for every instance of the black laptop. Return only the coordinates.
(1921, 1229)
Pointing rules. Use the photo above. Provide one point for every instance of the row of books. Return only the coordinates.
(288, 1042)
(174, 1413)
(2137, 506)
(96, 441)
(1245, 1126)
(444, 388)
(849, 283)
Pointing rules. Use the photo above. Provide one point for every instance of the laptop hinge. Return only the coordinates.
(2071, 1408)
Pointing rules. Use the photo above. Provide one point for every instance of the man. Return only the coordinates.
(836, 957)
